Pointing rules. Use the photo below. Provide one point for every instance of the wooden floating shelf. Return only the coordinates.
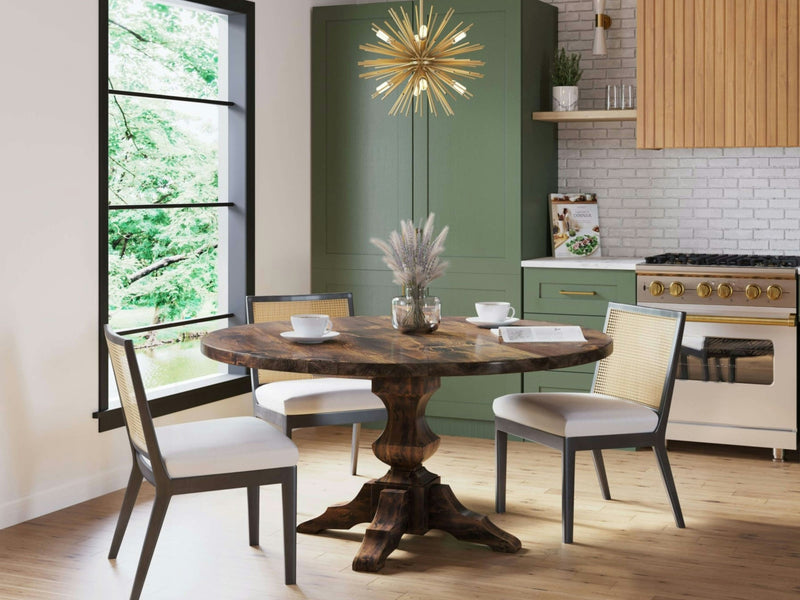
(574, 116)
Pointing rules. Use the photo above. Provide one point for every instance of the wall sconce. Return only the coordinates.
(601, 22)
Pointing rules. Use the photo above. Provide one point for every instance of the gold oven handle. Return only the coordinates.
(789, 321)
(574, 293)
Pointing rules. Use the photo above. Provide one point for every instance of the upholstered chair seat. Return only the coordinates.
(577, 415)
(323, 395)
(228, 445)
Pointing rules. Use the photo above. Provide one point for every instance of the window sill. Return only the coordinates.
(205, 392)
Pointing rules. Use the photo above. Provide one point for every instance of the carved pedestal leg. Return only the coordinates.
(342, 516)
(445, 512)
(384, 533)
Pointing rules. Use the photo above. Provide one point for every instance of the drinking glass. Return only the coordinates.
(626, 96)
(612, 94)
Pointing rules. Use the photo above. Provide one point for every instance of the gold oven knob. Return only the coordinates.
(774, 292)
(724, 290)
(752, 291)
(703, 290)
(656, 288)
(676, 288)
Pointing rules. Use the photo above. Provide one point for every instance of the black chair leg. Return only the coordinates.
(600, 469)
(252, 513)
(153, 529)
(669, 483)
(134, 484)
(289, 499)
(567, 492)
(501, 462)
(683, 366)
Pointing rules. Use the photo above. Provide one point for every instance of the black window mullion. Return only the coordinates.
(168, 97)
(172, 205)
(102, 310)
(173, 324)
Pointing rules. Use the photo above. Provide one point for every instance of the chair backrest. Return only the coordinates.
(135, 410)
(261, 309)
(642, 365)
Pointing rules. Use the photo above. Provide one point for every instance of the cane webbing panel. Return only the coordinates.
(637, 368)
(127, 395)
(283, 310)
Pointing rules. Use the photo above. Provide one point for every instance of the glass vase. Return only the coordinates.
(416, 312)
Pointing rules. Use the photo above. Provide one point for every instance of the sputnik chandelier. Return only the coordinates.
(423, 65)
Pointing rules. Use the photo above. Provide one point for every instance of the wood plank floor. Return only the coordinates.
(742, 539)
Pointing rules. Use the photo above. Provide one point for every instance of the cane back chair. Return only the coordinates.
(200, 456)
(628, 406)
(294, 400)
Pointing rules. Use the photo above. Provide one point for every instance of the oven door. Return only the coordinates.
(736, 382)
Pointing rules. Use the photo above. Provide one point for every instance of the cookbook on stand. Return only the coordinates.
(575, 225)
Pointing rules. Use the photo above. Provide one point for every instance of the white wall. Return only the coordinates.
(695, 200)
(51, 454)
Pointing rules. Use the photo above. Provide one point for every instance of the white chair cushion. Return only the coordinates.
(314, 396)
(228, 445)
(576, 415)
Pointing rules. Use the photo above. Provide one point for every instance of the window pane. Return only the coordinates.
(162, 152)
(170, 356)
(162, 265)
(163, 49)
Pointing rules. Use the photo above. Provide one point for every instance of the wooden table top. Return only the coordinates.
(369, 347)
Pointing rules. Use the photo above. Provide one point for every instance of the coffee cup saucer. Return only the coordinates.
(489, 324)
(304, 339)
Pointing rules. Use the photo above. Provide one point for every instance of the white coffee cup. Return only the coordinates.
(311, 325)
(494, 312)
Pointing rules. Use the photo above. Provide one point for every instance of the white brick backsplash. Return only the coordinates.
(651, 201)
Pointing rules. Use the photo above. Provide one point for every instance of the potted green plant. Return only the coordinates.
(565, 75)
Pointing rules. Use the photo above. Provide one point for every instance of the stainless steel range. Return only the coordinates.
(737, 376)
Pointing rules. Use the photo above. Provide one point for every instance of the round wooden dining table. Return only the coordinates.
(405, 371)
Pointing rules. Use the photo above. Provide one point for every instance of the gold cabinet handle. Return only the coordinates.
(574, 293)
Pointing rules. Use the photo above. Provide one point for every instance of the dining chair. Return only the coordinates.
(199, 456)
(628, 406)
(294, 400)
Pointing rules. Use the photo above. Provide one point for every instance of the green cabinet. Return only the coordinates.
(576, 297)
(486, 172)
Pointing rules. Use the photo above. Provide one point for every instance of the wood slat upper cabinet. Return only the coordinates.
(718, 73)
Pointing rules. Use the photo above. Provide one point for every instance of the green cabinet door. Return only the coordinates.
(485, 172)
(361, 160)
(575, 297)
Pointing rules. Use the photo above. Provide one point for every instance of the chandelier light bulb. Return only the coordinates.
(383, 87)
(460, 36)
(423, 31)
(382, 35)
(459, 88)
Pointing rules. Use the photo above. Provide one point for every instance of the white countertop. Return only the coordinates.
(610, 263)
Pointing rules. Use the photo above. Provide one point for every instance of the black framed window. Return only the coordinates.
(176, 192)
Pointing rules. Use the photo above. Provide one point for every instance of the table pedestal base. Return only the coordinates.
(409, 498)
(394, 509)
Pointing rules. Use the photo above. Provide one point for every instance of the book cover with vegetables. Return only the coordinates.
(575, 225)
